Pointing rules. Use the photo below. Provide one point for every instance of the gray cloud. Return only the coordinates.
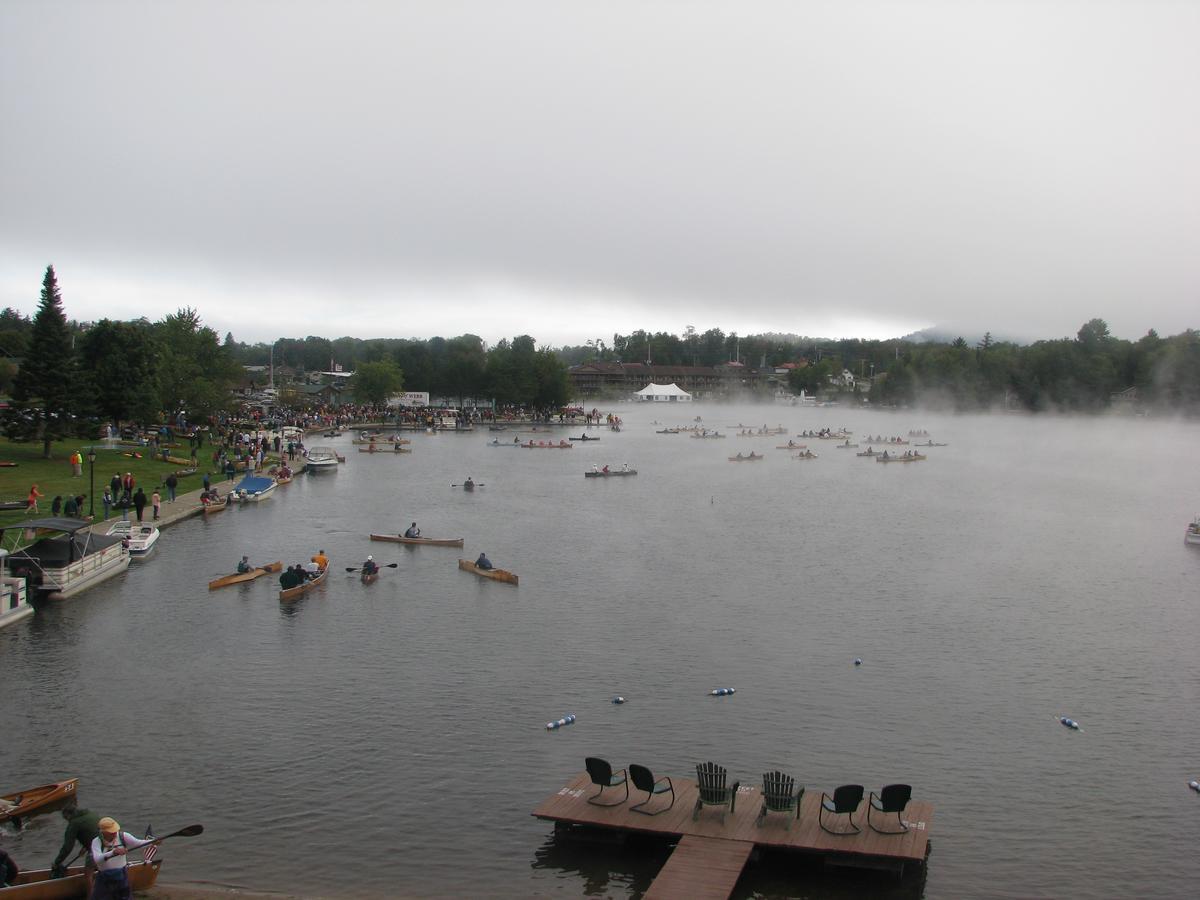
(433, 168)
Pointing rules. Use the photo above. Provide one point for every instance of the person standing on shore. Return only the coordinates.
(83, 826)
(156, 504)
(110, 852)
(115, 484)
(107, 499)
(76, 464)
(139, 503)
(171, 482)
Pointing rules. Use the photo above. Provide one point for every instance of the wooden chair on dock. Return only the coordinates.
(892, 799)
(710, 784)
(602, 774)
(779, 794)
(643, 779)
(845, 801)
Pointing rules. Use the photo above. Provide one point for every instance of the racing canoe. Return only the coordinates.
(239, 577)
(32, 800)
(494, 574)
(432, 542)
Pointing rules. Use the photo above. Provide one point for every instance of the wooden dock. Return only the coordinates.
(710, 856)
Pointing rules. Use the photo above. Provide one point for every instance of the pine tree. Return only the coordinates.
(46, 384)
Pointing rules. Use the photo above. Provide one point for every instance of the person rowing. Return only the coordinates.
(369, 567)
(483, 562)
(244, 566)
(413, 531)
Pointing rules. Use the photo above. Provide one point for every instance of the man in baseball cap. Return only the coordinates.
(110, 851)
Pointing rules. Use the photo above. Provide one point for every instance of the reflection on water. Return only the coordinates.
(1031, 569)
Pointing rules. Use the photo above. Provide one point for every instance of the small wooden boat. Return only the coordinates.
(37, 799)
(869, 452)
(300, 590)
(548, 445)
(751, 458)
(583, 437)
(791, 446)
(807, 454)
(930, 444)
(217, 507)
(384, 449)
(612, 473)
(368, 577)
(668, 431)
(494, 574)
(847, 446)
(431, 542)
(239, 577)
(39, 884)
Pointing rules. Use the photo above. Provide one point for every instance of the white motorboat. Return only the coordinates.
(139, 537)
(322, 459)
(64, 556)
(14, 597)
(1192, 535)
(253, 488)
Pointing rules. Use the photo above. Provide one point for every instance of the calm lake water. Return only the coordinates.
(389, 740)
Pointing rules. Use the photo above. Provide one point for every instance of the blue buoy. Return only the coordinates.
(1070, 723)
(721, 692)
(858, 660)
(618, 700)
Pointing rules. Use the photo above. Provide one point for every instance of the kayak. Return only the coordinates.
(432, 542)
(239, 577)
(494, 574)
(32, 800)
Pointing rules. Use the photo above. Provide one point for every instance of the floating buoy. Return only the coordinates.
(618, 700)
(858, 660)
(568, 719)
(721, 692)
(1195, 786)
(1070, 723)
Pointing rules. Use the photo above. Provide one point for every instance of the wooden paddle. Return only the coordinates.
(477, 484)
(385, 566)
(189, 831)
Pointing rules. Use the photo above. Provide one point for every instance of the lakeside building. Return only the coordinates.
(612, 379)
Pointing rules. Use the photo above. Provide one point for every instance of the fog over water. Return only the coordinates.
(1033, 568)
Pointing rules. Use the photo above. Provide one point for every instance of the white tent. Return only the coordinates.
(664, 393)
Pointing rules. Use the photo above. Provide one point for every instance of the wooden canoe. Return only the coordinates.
(38, 884)
(287, 480)
(396, 449)
(746, 458)
(36, 799)
(494, 574)
(300, 590)
(216, 507)
(239, 577)
(432, 542)
(369, 577)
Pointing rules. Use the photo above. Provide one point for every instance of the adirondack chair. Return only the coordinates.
(602, 774)
(892, 799)
(779, 794)
(844, 801)
(643, 779)
(710, 784)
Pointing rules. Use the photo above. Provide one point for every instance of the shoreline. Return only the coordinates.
(205, 891)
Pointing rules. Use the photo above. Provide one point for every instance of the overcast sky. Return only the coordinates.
(574, 169)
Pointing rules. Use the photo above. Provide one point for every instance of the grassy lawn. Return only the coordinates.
(53, 476)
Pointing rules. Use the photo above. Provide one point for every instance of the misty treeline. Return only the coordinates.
(1088, 372)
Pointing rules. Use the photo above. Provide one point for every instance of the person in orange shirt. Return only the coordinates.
(321, 560)
(31, 503)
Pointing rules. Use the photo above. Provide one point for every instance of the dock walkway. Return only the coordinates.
(739, 835)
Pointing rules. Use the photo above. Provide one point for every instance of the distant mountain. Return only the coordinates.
(940, 334)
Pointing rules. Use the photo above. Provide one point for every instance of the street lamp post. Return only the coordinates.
(91, 458)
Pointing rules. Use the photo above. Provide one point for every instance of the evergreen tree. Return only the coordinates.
(47, 382)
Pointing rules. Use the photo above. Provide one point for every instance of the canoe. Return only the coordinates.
(37, 799)
(791, 446)
(38, 884)
(494, 574)
(432, 542)
(583, 438)
(217, 507)
(300, 590)
(612, 474)
(369, 577)
(805, 455)
(287, 480)
(396, 449)
(745, 458)
(239, 577)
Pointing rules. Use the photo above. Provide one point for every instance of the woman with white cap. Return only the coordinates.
(109, 850)
(370, 567)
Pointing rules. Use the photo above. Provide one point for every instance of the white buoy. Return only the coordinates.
(1195, 786)
(618, 700)
(1070, 723)
(858, 660)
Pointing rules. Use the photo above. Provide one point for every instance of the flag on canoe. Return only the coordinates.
(151, 850)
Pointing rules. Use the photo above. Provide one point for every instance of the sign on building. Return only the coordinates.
(410, 398)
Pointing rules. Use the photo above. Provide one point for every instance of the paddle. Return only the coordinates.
(477, 484)
(385, 566)
(189, 831)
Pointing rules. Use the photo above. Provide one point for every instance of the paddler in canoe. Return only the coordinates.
(412, 531)
(370, 567)
(244, 566)
(483, 562)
